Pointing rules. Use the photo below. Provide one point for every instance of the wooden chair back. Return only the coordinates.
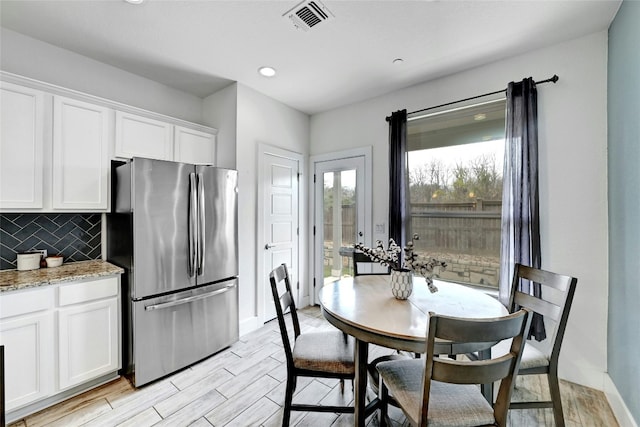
(503, 368)
(361, 258)
(556, 309)
(284, 302)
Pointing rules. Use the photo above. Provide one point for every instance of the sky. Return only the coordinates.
(450, 156)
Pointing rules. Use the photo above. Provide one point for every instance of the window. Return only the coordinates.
(454, 162)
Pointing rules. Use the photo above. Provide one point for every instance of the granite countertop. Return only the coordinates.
(13, 280)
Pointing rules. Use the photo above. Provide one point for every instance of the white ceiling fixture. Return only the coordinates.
(134, 1)
(267, 71)
(308, 14)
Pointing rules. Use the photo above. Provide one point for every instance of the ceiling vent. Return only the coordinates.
(308, 14)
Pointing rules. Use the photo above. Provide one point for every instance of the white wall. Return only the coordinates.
(573, 171)
(262, 120)
(42, 61)
(220, 111)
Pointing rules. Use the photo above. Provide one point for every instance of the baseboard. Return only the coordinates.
(304, 301)
(249, 325)
(619, 408)
(20, 413)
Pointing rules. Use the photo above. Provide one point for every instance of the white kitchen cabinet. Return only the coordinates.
(27, 332)
(193, 146)
(21, 147)
(59, 340)
(138, 136)
(80, 155)
(87, 331)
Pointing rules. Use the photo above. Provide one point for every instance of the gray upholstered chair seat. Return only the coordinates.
(450, 405)
(329, 351)
(531, 356)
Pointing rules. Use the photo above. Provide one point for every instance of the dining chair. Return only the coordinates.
(444, 392)
(322, 354)
(554, 305)
(361, 258)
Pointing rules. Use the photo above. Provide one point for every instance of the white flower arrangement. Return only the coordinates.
(391, 258)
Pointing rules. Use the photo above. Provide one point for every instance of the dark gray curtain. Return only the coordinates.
(397, 176)
(520, 199)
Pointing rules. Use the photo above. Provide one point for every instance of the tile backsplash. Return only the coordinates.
(77, 237)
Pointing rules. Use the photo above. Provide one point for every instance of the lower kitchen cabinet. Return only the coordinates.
(59, 340)
(29, 344)
(88, 341)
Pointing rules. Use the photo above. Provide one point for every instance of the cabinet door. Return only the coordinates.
(138, 136)
(88, 341)
(21, 147)
(192, 146)
(80, 155)
(28, 351)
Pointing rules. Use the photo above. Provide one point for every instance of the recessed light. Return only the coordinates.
(398, 61)
(479, 116)
(267, 71)
(134, 1)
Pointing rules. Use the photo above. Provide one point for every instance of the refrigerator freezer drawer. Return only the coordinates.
(177, 330)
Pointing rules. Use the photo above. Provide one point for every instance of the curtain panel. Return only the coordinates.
(520, 199)
(398, 191)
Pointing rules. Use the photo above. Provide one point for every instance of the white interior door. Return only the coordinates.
(341, 217)
(281, 223)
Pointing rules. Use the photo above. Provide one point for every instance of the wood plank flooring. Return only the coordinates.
(244, 385)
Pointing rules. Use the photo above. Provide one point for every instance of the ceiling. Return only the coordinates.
(202, 46)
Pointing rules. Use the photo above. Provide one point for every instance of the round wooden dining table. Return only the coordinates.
(364, 307)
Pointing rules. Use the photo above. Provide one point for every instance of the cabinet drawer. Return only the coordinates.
(87, 291)
(27, 301)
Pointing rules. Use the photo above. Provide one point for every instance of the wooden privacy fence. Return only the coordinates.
(466, 235)
(457, 228)
(348, 224)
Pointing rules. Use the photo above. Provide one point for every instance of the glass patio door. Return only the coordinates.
(339, 217)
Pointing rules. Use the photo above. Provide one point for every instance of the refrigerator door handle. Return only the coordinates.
(201, 225)
(189, 299)
(193, 224)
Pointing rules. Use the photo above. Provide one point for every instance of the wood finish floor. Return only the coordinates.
(244, 385)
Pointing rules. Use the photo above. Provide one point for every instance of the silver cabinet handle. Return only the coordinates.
(193, 224)
(189, 299)
(201, 225)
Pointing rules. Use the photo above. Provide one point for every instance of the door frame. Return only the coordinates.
(266, 149)
(367, 153)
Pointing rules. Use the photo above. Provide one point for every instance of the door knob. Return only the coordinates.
(268, 246)
(360, 233)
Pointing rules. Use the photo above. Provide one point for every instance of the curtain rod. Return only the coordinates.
(553, 79)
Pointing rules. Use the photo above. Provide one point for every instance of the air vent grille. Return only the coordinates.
(308, 14)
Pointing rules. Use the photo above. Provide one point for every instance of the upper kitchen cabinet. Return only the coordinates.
(138, 136)
(21, 147)
(193, 146)
(80, 169)
(56, 145)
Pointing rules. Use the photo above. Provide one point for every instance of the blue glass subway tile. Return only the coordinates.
(23, 219)
(8, 240)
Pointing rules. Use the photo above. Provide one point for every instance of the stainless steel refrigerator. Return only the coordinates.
(173, 228)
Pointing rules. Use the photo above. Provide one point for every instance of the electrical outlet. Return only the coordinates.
(380, 228)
